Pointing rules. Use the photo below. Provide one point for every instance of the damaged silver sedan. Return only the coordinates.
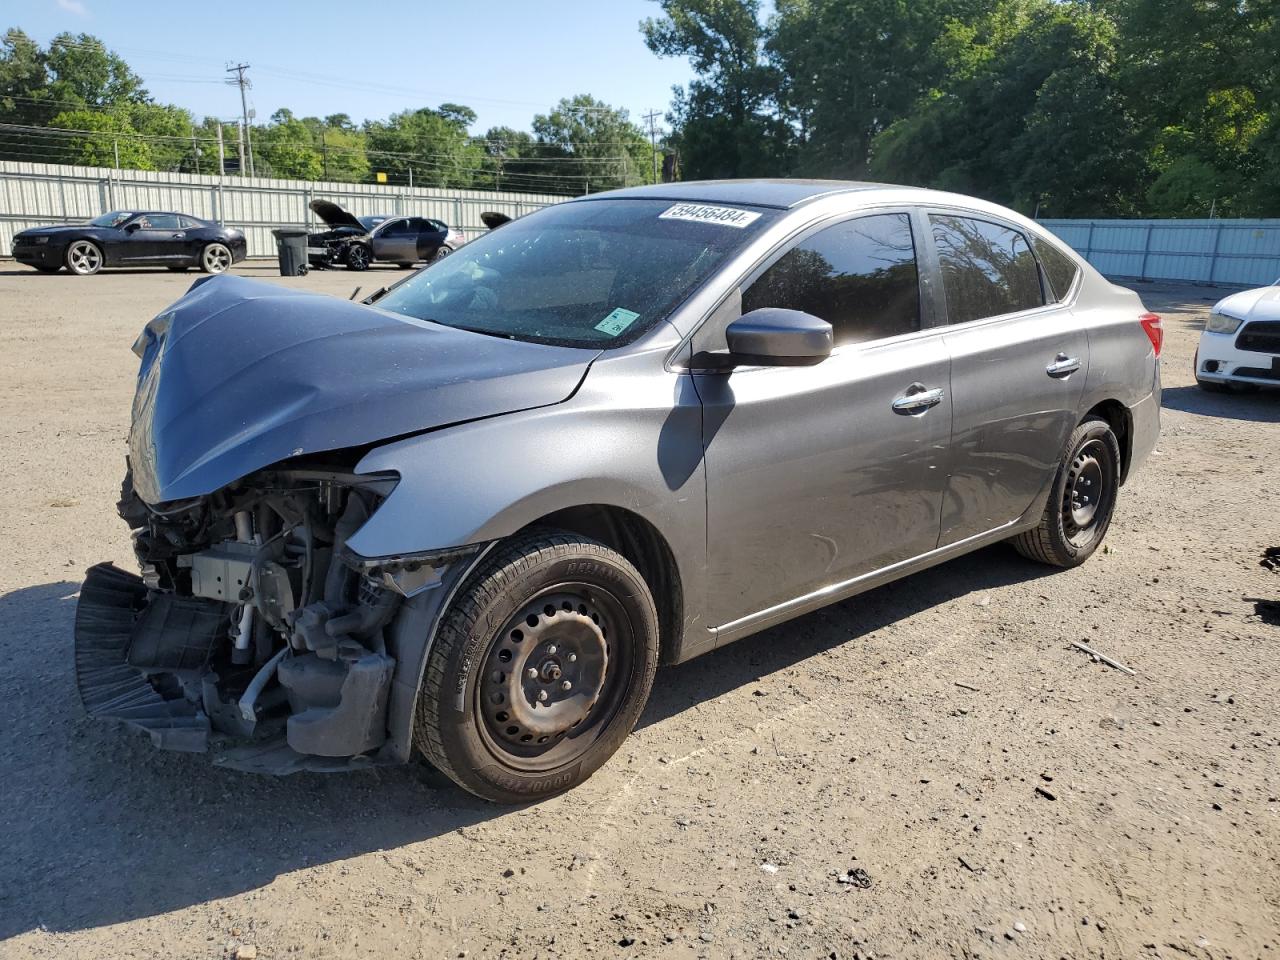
(465, 520)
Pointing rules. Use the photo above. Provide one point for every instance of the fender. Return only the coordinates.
(637, 447)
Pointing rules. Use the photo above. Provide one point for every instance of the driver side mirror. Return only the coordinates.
(776, 337)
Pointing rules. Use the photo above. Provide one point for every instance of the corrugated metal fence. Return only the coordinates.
(1243, 252)
(1232, 252)
(35, 194)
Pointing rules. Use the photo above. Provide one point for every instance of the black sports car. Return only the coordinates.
(355, 242)
(125, 238)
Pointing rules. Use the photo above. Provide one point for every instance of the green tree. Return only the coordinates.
(432, 143)
(1025, 114)
(726, 122)
(285, 148)
(585, 144)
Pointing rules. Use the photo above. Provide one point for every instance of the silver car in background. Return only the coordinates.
(468, 520)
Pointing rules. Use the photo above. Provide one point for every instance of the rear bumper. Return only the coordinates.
(1219, 360)
(1144, 417)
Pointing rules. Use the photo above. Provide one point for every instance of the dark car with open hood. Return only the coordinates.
(466, 519)
(356, 242)
(130, 238)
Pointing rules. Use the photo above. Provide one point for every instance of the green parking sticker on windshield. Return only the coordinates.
(617, 321)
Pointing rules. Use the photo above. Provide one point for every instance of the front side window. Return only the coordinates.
(860, 276)
(114, 219)
(160, 221)
(590, 273)
(1058, 267)
(987, 269)
(395, 228)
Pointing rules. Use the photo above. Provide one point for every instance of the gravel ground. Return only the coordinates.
(1004, 794)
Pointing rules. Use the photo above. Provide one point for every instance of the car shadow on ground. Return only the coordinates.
(1260, 406)
(101, 828)
(746, 661)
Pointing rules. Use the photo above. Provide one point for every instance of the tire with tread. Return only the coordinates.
(1049, 541)
(448, 726)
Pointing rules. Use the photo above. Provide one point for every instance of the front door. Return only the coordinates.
(395, 240)
(819, 475)
(1018, 365)
(154, 238)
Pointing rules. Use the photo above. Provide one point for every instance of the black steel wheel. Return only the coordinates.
(1078, 512)
(359, 257)
(540, 668)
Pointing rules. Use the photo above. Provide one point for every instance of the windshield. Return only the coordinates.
(113, 219)
(592, 274)
(370, 222)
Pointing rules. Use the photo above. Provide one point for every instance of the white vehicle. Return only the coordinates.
(1240, 345)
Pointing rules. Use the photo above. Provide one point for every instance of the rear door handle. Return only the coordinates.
(1063, 366)
(918, 399)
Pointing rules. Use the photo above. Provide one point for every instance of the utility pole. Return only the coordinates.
(241, 81)
(221, 164)
(651, 116)
(240, 144)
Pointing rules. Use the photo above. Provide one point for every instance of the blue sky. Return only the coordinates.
(506, 59)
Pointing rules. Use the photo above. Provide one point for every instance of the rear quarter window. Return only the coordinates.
(988, 269)
(1060, 269)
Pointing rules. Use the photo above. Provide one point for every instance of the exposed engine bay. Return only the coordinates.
(251, 622)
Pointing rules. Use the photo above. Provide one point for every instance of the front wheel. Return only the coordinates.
(540, 668)
(84, 258)
(215, 258)
(1082, 501)
(358, 257)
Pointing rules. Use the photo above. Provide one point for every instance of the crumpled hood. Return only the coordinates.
(240, 374)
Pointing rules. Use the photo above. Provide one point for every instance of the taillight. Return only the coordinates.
(1153, 326)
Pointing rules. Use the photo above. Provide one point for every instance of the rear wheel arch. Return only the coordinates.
(1118, 417)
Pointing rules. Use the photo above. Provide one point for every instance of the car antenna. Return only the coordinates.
(354, 293)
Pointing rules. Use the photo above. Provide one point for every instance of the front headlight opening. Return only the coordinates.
(1222, 323)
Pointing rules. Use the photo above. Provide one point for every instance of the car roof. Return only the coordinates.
(780, 194)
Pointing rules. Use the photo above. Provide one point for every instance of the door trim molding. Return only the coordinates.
(844, 589)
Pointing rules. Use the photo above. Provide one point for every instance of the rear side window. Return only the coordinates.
(987, 269)
(860, 276)
(1058, 267)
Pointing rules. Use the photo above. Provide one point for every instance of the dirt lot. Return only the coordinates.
(1005, 795)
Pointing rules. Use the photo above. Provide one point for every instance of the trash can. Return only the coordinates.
(291, 247)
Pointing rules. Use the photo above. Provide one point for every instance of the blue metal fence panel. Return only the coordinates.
(1229, 252)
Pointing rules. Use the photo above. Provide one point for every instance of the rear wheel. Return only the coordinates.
(540, 668)
(84, 258)
(1082, 501)
(442, 252)
(358, 257)
(215, 258)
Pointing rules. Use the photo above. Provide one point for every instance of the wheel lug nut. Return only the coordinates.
(542, 695)
(573, 658)
(566, 685)
(551, 648)
(531, 673)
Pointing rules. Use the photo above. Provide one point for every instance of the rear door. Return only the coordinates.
(431, 235)
(817, 475)
(1018, 367)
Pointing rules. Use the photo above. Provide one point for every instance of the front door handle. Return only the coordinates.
(918, 399)
(1063, 366)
